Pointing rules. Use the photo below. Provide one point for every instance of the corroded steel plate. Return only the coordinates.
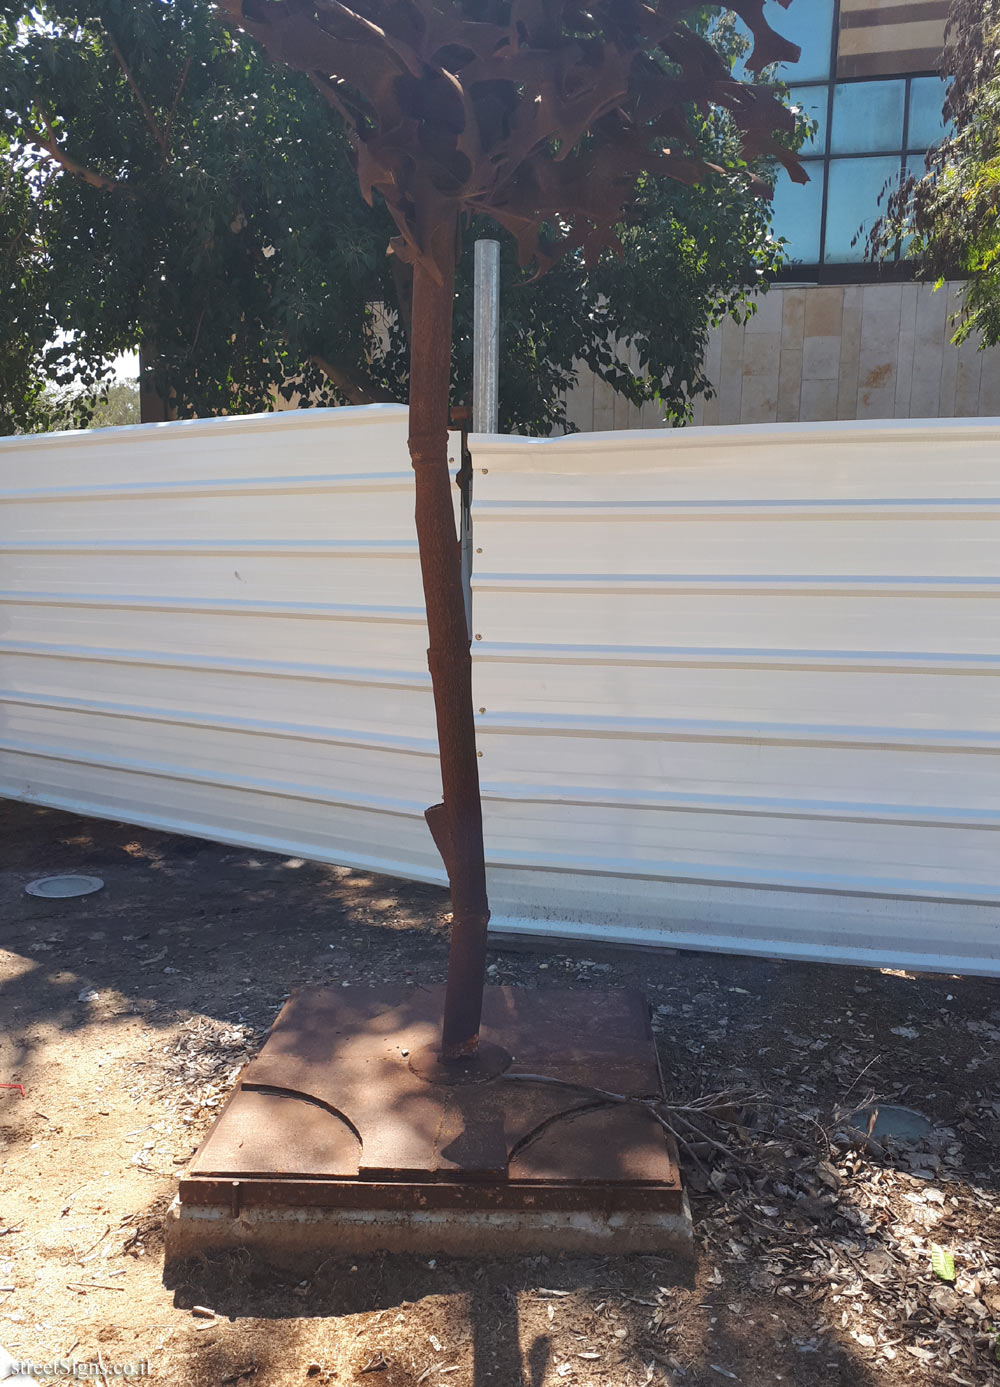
(331, 1111)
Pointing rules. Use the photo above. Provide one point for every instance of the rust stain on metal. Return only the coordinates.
(537, 113)
(331, 1112)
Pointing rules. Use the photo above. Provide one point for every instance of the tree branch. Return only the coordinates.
(354, 389)
(173, 108)
(151, 121)
(402, 278)
(51, 148)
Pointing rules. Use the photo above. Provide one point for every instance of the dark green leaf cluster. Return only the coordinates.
(164, 184)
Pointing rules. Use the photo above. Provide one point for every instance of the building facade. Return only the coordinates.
(838, 337)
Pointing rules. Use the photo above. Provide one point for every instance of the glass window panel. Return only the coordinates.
(914, 169)
(813, 101)
(927, 125)
(857, 195)
(867, 116)
(796, 212)
(808, 23)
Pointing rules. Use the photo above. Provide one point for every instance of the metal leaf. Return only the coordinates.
(539, 113)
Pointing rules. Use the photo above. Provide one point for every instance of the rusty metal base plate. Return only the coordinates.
(332, 1116)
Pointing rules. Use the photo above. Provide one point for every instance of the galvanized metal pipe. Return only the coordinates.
(457, 824)
(486, 338)
(485, 383)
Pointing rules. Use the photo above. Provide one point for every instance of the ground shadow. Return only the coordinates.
(186, 928)
(485, 1294)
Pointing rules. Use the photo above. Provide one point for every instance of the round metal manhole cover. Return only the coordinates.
(889, 1120)
(62, 887)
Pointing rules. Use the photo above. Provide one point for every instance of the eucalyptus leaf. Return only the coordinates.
(942, 1262)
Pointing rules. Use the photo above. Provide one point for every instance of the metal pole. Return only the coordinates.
(485, 382)
(486, 338)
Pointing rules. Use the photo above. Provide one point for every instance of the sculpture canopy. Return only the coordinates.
(541, 114)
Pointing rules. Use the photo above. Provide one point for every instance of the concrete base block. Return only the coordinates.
(345, 1136)
(296, 1236)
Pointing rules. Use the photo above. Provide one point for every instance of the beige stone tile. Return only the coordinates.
(850, 354)
(877, 370)
(880, 318)
(769, 313)
(789, 385)
(651, 415)
(928, 347)
(906, 349)
(949, 360)
(968, 378)
(759, 401)
(760, 354)
(882, 298)
(955, 291)
(712, 363)
(793, 317)
(604, 407)
(949, 376)
(925, 385)
(875, 41)
(931, 307)
(989, 386)
(627, 414)
(710, 410)
(731, 372)
(877, 404)
(821, 358)
(824, 307)
(580, 400)
(904, 373)
(853, 296)
(908, 297)
(877, 384)
(819, 400)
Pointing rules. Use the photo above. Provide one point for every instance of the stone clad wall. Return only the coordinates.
(811, 354)
(885, 37)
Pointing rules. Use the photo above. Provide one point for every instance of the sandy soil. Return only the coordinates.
(128, 1013)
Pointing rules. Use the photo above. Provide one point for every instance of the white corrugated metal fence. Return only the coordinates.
(738, 688)
(217, 627)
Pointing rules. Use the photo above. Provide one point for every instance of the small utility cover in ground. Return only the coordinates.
(62, 887)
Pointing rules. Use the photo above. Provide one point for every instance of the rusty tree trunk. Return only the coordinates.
(457, 824)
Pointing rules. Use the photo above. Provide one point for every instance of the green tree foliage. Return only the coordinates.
(948, 219)
(22, 403)
(166, 185)
(73, 407)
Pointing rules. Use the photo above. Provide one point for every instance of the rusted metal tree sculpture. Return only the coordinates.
(541, 114)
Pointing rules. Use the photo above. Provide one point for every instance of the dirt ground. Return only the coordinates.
(127, 1015)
